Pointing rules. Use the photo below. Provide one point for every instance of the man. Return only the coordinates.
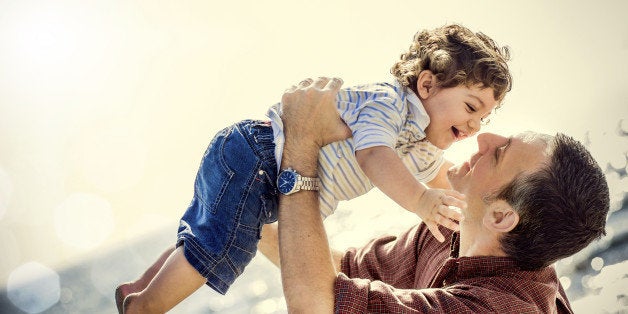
(532, 199)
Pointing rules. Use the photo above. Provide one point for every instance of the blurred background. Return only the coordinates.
(107, 106)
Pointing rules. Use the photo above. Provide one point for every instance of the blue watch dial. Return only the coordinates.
(286, 181)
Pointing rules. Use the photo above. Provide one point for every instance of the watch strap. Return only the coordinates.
(309, 184)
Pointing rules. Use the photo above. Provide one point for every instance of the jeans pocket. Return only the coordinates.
(214, 175)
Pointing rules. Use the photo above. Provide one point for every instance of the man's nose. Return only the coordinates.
(490, 139)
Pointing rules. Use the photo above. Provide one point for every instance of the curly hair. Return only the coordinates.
(562, 207)
(456, 56)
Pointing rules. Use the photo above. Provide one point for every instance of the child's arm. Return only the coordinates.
(441, 181)
(382, 165)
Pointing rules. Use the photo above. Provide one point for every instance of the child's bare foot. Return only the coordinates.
(122, 291)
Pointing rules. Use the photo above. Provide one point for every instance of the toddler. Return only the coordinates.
(445, 85)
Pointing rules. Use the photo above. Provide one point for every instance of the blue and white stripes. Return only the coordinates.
(380, 114)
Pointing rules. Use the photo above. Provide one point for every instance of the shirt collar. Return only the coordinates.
(474, 266)
(415, 105)
(457, 269)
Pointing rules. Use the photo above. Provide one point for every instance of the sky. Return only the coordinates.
(107, 106)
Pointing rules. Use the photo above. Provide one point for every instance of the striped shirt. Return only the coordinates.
(380, 114)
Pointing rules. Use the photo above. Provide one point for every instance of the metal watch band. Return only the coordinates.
(310, 184)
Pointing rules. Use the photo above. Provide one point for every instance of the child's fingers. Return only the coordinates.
(433, 227)
(447, 223)
(456, 194)
(450, 213)
(451, 201)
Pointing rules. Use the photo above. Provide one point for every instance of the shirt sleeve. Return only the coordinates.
(378, 122)
(388, 258)
(380, 278)
(365, 296)
(424, 161)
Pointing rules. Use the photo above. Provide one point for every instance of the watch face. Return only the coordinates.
(286, 181)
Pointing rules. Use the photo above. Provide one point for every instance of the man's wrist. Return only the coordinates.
(301, 156)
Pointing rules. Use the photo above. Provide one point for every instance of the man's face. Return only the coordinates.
(498, 161)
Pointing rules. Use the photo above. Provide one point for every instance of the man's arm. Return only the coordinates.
(307, 269)
(269, 246)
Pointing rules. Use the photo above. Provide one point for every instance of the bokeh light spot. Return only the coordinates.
(597, 263)
(271, 305)
(586, 281)
(258, 288)
(84, 220)
(33, 287)
(222, 302)
(565, 281)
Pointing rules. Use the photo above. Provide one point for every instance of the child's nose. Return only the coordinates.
(474, 125)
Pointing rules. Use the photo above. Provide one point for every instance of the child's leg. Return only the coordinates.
(141, 283)
(175, 281)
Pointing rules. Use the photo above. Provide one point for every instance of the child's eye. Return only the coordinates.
(470, 108)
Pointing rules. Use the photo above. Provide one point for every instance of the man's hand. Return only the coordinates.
(309, 112)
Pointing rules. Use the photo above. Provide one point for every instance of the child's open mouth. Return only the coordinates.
(459, 135)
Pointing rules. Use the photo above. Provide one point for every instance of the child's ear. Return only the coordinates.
(425, 84)
(500, 217)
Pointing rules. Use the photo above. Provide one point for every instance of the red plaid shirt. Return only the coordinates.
(414, 273)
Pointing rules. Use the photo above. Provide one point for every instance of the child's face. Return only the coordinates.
(456, 112)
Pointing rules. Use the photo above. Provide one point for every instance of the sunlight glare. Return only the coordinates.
(113, 157)
(6, 190)
(147, 223)
(84, 220)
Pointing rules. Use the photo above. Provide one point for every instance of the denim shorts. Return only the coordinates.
(234, 195)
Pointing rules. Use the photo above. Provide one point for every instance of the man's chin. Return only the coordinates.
(452, 175)
(456, 173)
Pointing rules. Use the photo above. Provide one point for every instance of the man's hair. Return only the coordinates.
(562, 207)
(456, 56)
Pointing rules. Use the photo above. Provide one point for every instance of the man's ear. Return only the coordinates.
(500, 217)
(425, 84)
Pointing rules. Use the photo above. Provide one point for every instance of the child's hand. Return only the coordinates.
(434, 210)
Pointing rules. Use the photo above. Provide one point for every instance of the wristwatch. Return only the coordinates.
(289, 181)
